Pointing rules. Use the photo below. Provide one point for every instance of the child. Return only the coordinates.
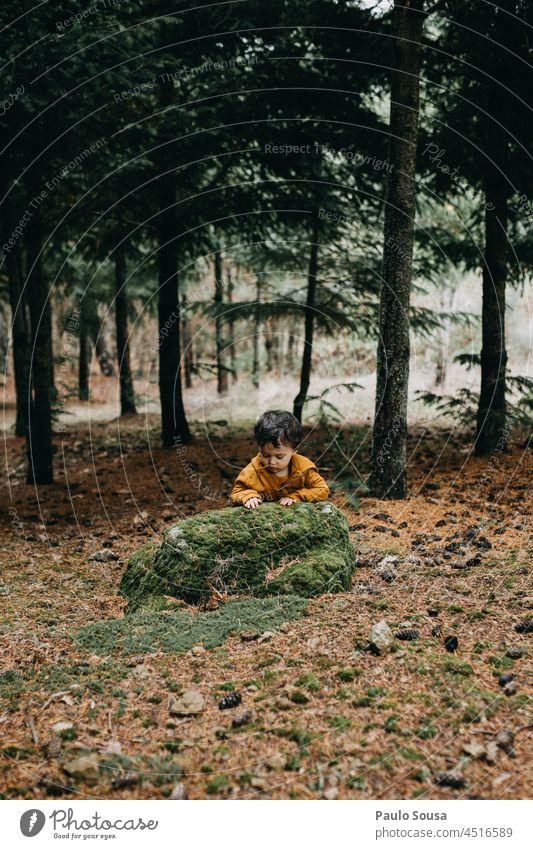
(277, 472)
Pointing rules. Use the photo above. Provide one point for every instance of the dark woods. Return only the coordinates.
(369, 148)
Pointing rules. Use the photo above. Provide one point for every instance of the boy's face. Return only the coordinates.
(276, 459)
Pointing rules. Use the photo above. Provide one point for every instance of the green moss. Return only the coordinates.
(180, 630)
(339, 722)
(349, 673)
(234, 550)
(457, 667)
(309, 682)
(55, 678)
(217, 784)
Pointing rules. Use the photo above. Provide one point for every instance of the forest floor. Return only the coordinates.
(327, 718)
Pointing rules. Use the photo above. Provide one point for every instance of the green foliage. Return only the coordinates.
(178, 632)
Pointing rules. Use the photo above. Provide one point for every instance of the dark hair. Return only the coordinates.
(277, 426)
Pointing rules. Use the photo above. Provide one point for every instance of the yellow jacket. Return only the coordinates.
(304, 483)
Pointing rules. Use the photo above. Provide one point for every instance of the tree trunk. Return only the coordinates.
(305, 374)
(222, 372)
(447, 295)
(127, 392)
(231, 328)
(174, 427)
(83, 364)
(388, 473)
(102, 354)
(491, 414)
(39, 439)
(21, 340)
(187, 344)
(257, 323)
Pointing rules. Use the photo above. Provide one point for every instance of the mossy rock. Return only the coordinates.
(304, 550)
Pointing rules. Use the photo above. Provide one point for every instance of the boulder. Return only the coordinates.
(303, 549)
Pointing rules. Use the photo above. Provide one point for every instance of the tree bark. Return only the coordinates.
(388, 473)
(174, 426)
(231, 328)
(39, 438)
(188, 362)
(21, 340)
(83, 364)
(127, 392)
(447, 295)
(305, 374)
(491, 414)
(222, 372)
(257, 326)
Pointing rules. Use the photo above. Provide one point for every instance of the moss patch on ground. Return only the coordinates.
(303, 550)
(179, 631)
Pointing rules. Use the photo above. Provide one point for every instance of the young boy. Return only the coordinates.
(277, 472)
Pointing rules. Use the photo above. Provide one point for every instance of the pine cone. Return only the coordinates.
(406, 634)
(230, 701)
(451, 643)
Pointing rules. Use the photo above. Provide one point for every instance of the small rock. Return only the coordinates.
(491, 752)
(141, 671)
(265, 636)
(383, 517)
(435, 631)
(403, 525)
(283, 703)
(276, 761)
(450, 778)
(241, 718)
(249, 636)
(197, 651)
(433, 611)
(259, 783)
(505, 739)
(331, 793)
(113, 747)
(179, 792)
(500, 779)
(380, 638)
(188, 704)
(475, 750)
(141, 519)
(285, 628)
(313, 642)
(505, 679)
(85, 768)
(510, 688)
(103, 556)
(514, 653)
(62, 726)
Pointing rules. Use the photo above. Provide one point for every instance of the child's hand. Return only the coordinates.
(252, 503)
(286, 501)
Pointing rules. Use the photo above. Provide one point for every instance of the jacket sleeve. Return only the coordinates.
(315, 488)
(243, 490)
